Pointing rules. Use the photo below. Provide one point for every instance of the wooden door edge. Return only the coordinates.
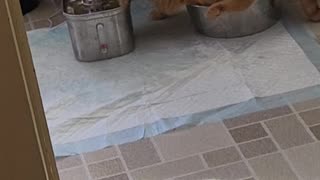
(32, 89)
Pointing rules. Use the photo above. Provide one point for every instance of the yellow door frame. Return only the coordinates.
(26, 151)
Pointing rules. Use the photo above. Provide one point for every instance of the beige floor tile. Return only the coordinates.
(256, 117)
(230, 172)
(106, 168)
(222, 156)
(57, 19)
(74, 174)
(316, 131)
(194, 140)
(103, 154)
(306, 161)
(311, 117)
(307, 104)
(117, 177)
(288, 132)
(27, 26)
(169, 170)
(272, 167)
(248, 133)
(139, 154)
(41, 24)
(257, 148)
(68, 162)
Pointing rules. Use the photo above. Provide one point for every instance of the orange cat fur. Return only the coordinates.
(311, 9)
(165, 8)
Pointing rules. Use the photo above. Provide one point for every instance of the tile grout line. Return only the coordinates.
(160, 163)
(177, 159)
(70, 168)
(86, 166)
(281, 151)
(246, 162)
(158, 151)
(203, 161)
(30, 22)
(100, 161)
(123, 162)
(109, 176)
(305, 110)
(294, 112)
(314, 125)
(181, 158)
(202, 152)
(303, 123)
(260, 121)
(254, 140)
(264, 155)
(212, 168)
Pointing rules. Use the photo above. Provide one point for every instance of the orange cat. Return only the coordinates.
(165, 8)
(311, 9)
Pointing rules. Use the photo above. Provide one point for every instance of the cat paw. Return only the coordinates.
(214, 11)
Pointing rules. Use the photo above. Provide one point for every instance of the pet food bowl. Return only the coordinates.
(261, 15)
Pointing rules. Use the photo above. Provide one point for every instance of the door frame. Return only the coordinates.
(27, 151)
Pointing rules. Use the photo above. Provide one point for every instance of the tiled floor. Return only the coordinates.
(281, 143)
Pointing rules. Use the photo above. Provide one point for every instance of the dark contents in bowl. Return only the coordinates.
(78, 7)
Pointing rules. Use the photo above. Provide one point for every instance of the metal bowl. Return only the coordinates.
(259, 17)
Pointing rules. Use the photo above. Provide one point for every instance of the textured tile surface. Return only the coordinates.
(139, 154)
(306, 161)
(182, 150)
(288, 132)
(27, 26)
(106, 168)
(100, 155)
(170, 169)
(234, 171)
(41, 24)
(57, 19)
(316, 131)
(272, 167)
(256, 117)
(68, 162)
(117, 177)
(74, 174)
(194, 140)
(256, 148)
(248, 133)
(223, 156)
(311, 117)
(307, 104)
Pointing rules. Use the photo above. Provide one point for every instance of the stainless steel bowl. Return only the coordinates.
(101, 35)
(259, 17)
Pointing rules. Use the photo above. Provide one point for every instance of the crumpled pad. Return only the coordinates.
(172, 73)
